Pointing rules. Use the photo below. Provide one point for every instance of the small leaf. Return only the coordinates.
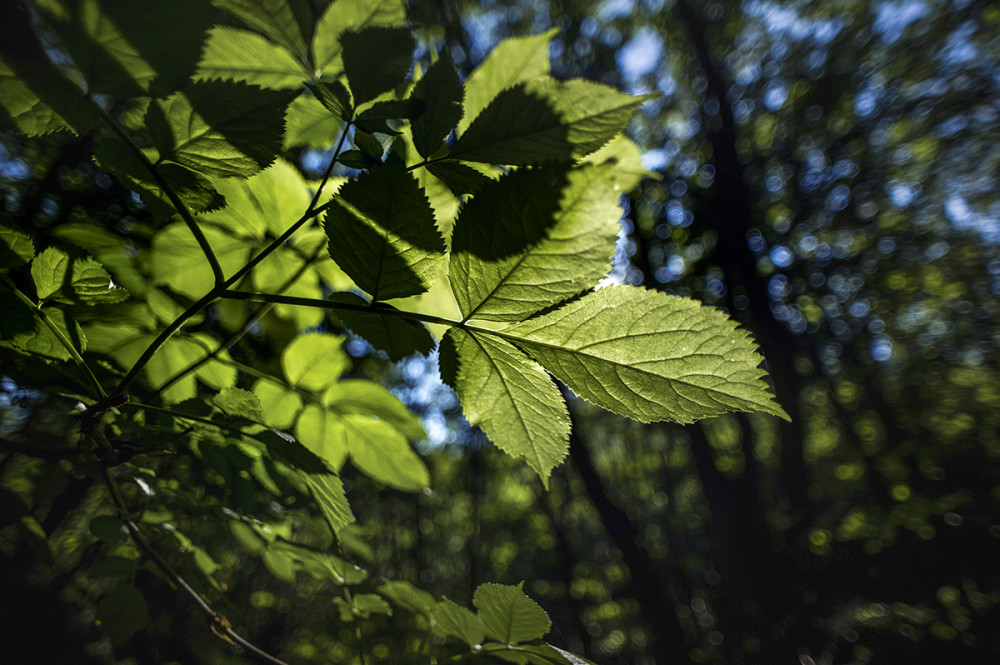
(109, 529)
(397, 336)
(381, 452)
(49, 272)
(239, 55)
(376, 59)
(357, 159)
(408, 597)
(441, 91)
(240, 403)
(219, 129)
(314, 361)
(510, 397)
(347, 16)
(122, 612)
(328, 492)
(335, 97)
(546, 119)
(513, 61)
(460, 178)
(366, 604)
(279, 405)
(280, 564)
(16, 248)
(323, 433)
(309, 124)
(531, 240)
(457, 621)
(508, 615)
(648, 356)
(90, 284)
(382, 234)
(367, 398)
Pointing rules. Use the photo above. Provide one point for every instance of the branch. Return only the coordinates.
(175, 200)
(219, 624)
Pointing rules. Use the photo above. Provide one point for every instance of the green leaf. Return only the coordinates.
(531, 240)
(49, 271)
(546, 119)
(397, 336)
(335, 98)
(122, 612)
(39, 339)
(240, 403)
(273, 275)
(510, 397)
(219, 129)
(179, 263)
(458, 621)
(16, 247)
(309, 124)
(351, 16)
(125, 48)
(381, 452)
(513, 61)
(269, 202)
(238, 55)
(533, 653)
(314, 361)
(382, 233)
(273, 18)
(109, 529)
(624, 160)
(366, 604)
(327, 491)
(324, 434)
(280, 563)
(408, 597)
(460, 178)
(648, 356)
(508, 615)
(280, 405)
(441, 91)
(376, 59)
(367, 398)
(179, 353)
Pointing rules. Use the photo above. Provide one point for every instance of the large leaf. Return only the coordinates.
(126, 48)
(280, 405)
(367, 398)
(351, 16)
(545, 119)
(458, 621)
(220, 129)
(382, 233)
(648, 355)
(398, 337)
(309, 124)
(509, 615)
(33, 336)
(16, 247)
(510, 397)
(441, 92)
(324, 434)
(314, 361)
(513, 61)
(381, 452)
(73, 279)
(531, 240)
(376, 59)
(274, 18)
(240, 55)
(179, 262)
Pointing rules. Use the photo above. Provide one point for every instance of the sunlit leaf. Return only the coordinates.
(314, 361)
(367, 398)
(397, 336)
(407, 596)
(324, 434)
(238, 55)
(459, 622)
(179, 262)
(240, 403)
(510, 397)
(347, 16)
(328, 492)
(279, 405)
(309, 124)
(531, 240)
(273, 18)
(381, 452)
(508, 615)
(648, 355)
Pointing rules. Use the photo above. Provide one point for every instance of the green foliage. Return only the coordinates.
(253, 396)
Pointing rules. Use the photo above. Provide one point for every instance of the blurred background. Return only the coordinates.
(828, 174)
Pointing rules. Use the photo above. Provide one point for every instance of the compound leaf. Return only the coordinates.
(239, 55)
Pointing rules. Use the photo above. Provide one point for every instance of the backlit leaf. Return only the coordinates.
(327, 491)
(351, 16)
(513, 61)
(240, 55)
(648, 355)
(397, 336)
(324, 434)
(309, 124)
(387, 244)
(273, 18)
(531, 240)
(510, 397)
(269, 202)
(441, 92)
(376, 59)
(459, 622)
(240, 403)
(279, 405)
(314, 361)
(381, 452)
(179, 263)
(366, 398)
(508, 615)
